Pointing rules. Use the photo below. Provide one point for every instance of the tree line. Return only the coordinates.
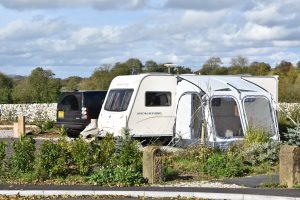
(41, 86)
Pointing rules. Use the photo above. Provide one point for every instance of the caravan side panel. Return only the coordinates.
(154, 119)
(269, 83)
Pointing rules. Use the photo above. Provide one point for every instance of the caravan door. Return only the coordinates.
(189, 118)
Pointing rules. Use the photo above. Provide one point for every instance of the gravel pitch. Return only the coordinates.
(202, 184)
(6, 133)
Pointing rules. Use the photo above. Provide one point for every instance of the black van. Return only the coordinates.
(76, 109)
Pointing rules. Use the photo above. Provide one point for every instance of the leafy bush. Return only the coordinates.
(22, 161)
(121, 162)
(120, 176)
(216, 165)
(292, 137)
(47, 125)
(3, 146)
(206, 160)
(169, 173)
(189, 160)
(53, 159)
(294, 113)
(102, 177)
(224, 164)
(103, 151)
(127, 176)
(127, 153)
(200, 153)
(256, 136)
(62, 131)
(81, 155)
(261, 153)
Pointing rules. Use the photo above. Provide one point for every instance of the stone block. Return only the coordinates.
(152, 164)
(289, 165)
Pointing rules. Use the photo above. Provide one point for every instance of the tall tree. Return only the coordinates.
(135, 65)
(239, 61)
(238, 65)
(6, 85)
(298, 66)
(292, 75)
(102, 77)
(182, 70)
(259, 68)
(21, 92)
(152, 66)
(39, 87)
(211, 65)
(72, 83)
(283, 67)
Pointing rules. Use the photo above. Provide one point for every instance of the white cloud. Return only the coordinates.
(201, 19)
(54, 4)
(261, 33)
(23, 30)
(268, 15)
(185, 35)
(284, 55)
(202, 5)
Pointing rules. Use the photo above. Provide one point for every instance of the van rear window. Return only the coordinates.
(70, 102)
(118, 100)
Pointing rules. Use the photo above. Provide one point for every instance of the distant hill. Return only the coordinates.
(16, 77)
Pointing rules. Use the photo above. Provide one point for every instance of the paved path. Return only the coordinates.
(254, 181)
(210, 193)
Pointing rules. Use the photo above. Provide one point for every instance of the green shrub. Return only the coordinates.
(126, 176)
(288, 119)
(53, 159)
(235, 164)
(189, 160)
(103, 151)
(127, 153)
(62, 131)
(22, 160)
(169, 173)
(121, 162)
(119, 176)
(228, 163)
(3, 146)
(216, 165)
(47, 125)
(260, 153)
(102, 177)
(82, 156)
(256, 136)
(200, 153)
(294, 113)
(292, 137)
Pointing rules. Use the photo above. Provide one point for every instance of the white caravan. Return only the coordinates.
(190, 108)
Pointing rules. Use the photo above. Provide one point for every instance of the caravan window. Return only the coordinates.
(259, 114)
(118, 100)
(158, 99)
(226, 117)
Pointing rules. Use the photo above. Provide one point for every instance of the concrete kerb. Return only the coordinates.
(154, 194)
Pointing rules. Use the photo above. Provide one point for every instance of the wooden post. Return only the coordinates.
(19, 127)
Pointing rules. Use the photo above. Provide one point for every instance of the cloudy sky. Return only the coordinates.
(73, 37)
